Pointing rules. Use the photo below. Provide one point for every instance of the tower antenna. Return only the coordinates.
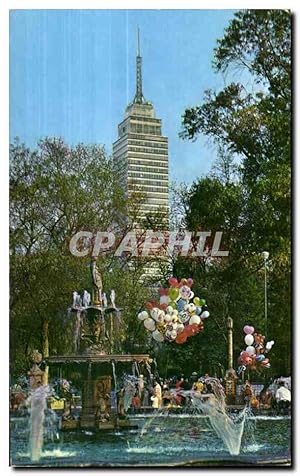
(139, 98)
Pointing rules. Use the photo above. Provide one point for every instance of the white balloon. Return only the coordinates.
(168, 318)
(161, 317)
(269, 345)
(173, 334)
(250, 350)
(204, 314)
(169, 310)
(175, 318)
(143, 315)
(249, 339)
(180, 328)
(154, 313)
(195, 320)
(164, 300)
(149, 324)
(157, 336)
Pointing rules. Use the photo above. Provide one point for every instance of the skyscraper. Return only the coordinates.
(141, 152)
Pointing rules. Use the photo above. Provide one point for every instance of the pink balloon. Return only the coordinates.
(248, 329)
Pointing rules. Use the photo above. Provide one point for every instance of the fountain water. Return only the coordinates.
(130, 382)
(228, 427)
(38, 404)
(212, 406)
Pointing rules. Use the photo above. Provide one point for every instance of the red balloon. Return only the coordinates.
(173, 282)
(149, 305)
(190, 282)
(163, 307)
(181, 338)
(163, 292)
(245, 358)
(189, 330)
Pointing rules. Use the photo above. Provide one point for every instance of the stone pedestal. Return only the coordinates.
(230, 386)
(96, 402)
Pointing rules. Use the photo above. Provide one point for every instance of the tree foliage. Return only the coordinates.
(249, 199)
(56, 191)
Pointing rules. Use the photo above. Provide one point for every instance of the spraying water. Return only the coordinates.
(137, 370)
(229, 428)
(77, 331)
(130, 382)
(38, 403)
(113, 364)
(149, 372)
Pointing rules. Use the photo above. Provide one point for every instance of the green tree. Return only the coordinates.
(56, 191)
(249, 198)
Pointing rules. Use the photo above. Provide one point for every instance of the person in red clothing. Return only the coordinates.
(178, 387)
(136, 401)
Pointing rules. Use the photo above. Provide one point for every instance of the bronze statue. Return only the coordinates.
(97, 283)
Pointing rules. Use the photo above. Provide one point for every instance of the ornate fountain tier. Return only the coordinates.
(99, 358)
(100, 402)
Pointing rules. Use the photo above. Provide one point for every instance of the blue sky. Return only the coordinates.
(72, 73)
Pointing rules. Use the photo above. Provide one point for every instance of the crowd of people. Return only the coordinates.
(278, 400)
(170, 392)
(177, 392)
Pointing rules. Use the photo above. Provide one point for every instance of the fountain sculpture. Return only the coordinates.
(98, 331)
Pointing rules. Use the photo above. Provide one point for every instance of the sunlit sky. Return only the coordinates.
(72, 73)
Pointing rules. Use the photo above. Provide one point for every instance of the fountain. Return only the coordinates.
(229, 428)
(98, 331)
(38, 405)
(201, 432)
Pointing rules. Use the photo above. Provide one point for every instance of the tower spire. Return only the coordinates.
(139, 98)
(138, 43)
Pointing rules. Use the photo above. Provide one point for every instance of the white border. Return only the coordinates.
(5, 6)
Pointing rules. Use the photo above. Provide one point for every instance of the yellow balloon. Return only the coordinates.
(173, 293)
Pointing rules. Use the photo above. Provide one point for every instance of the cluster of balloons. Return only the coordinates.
(178, 315)
(254, 356)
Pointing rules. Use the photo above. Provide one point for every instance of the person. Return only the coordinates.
(198, 386)
(283, 397)
(248, 392)
(157, 393)
(136, 401)
(141, 386)
(254, 402)
(166, 395)
(154, 400)
(146, 397)
(178, 387)
(266, 398)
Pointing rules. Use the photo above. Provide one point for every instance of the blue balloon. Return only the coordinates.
(260, 358)
(180, 304)
(198, 310)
